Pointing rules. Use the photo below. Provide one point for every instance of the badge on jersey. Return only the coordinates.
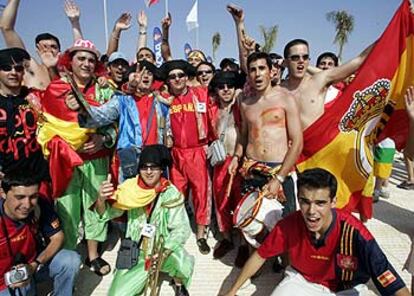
(386, 278)
(148, 230)
(201, 107)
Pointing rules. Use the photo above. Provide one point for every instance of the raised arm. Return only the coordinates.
(72, 11)
(8, 21)
(165, 45)
(142, 24)
(339, 73)
(409, 105)
(122, 23)
(238, 17)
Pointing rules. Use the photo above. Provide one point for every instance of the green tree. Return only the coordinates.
(269, 37)
(216, 40)
(344, 25)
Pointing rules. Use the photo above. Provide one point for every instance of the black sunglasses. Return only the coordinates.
(204, 72)
(223, 86)
(297, 57)
(8, 68)
(175, 76)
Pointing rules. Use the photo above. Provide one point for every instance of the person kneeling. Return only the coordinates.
(157, 220)
(31, 239)
(331, 251)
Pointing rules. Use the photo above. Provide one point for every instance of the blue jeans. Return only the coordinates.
(63, 269)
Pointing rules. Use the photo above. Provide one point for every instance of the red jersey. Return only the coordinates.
(23, 235)
(149, 131)
(183, 118)
(346, 256)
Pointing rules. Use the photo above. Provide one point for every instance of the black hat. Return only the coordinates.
(167, 67)
(224, 77)
(149, 66)
(156, 154)
(14, 55)
(228, 62)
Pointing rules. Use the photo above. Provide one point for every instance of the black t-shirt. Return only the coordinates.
(19, 149)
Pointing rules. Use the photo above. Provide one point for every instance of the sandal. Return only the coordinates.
(203, 246)
(96, 266)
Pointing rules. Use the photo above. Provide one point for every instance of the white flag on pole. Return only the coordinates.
(192, 17)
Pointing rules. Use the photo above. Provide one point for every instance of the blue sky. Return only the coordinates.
(296, 19)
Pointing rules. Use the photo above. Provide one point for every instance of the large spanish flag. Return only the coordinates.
(60, 134)
(370, 109)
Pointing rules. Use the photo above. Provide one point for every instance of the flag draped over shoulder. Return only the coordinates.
(60, 135)
(371, 108)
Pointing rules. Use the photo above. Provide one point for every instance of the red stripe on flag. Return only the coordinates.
(382, 62)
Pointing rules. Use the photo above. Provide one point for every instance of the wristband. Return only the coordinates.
(142, 33)
(39, 264)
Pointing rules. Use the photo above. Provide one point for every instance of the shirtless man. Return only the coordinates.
(271, 130)
(310, 91)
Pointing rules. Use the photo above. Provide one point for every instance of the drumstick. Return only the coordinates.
(228, 190)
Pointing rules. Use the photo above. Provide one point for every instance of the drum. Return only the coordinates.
(254, 215)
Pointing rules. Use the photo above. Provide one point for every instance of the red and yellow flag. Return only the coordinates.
(370, 109)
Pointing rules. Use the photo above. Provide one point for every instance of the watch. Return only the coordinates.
(39, 264)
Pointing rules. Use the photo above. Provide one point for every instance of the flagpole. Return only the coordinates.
(198, 27)
(106, 22)
(166, 7)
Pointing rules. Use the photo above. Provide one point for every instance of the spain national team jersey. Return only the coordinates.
(348, 254)
(26, 237)
(184, 121)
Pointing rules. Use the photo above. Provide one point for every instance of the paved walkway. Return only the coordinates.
(392, 226)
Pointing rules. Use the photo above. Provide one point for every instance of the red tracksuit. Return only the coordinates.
(189, 169)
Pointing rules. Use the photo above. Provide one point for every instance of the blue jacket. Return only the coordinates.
(124, 108)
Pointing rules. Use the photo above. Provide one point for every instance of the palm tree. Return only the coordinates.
(269, 37)
(216, 43)
(344, 25)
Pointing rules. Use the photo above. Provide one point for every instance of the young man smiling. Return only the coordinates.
(331, 252)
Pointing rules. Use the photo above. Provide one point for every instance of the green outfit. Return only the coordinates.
(83, 188)
(171, 220)
(80, 195)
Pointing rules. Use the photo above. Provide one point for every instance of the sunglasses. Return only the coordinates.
(175, 76)
(223, 86)
(297, 57)
(151, 168)
(8, 68)
(204, 72)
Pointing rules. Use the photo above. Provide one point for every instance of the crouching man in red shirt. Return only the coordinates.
(331, 252)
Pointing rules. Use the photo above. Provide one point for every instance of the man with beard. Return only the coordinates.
(191, 131)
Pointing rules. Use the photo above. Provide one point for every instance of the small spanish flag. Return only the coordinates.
(386, 278)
